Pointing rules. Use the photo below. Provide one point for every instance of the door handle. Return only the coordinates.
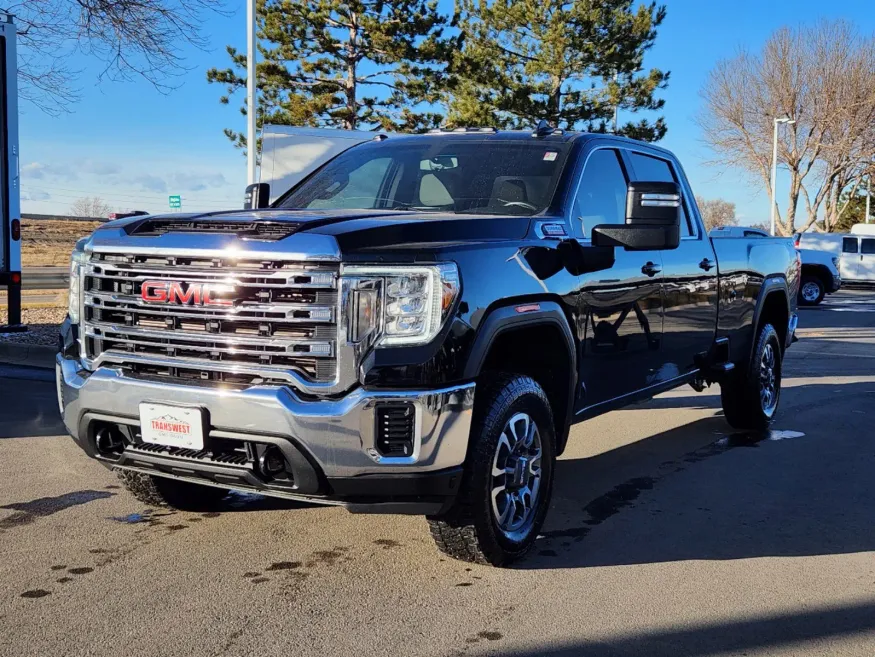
(651, 269)
(706, 264)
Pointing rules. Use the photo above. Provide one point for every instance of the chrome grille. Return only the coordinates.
(281, 325)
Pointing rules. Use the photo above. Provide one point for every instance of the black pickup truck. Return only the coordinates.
(414, 328)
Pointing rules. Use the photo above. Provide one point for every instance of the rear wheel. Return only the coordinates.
(181, 495)
(812, 291)
(508, 478)
(750, 398)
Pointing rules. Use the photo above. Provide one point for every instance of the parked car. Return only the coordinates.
(415, 327)
(129, 213)
(856, 253)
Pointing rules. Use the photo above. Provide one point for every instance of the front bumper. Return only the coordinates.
(836, 284)
(329, 443)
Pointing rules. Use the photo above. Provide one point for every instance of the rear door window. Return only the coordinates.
(654, 169)
(849, 245)
(867, 246)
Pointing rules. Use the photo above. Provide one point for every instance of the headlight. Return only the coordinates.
(399, 305)
(77, 261)
(835, 261)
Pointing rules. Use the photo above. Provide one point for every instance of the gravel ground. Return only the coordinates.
(42, 324)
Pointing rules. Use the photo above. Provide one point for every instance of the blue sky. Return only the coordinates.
(133, 146)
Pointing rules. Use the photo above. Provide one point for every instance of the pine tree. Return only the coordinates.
(570, 63)
(354, 65)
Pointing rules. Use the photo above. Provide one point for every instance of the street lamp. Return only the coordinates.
(251, 146)
(788, 120)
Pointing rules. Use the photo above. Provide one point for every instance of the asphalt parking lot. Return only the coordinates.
(669, 535)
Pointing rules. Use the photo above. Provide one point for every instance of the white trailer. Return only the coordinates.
(10, 191)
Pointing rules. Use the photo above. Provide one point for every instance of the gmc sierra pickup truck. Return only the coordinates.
(414, 327)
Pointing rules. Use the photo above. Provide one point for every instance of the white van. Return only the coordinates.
(856, 253)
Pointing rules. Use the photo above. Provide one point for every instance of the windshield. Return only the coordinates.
(438, 174)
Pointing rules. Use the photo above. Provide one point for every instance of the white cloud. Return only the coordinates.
(197, 182)
(41, 171)
(100, 167)
(150, 183)
(35, 195)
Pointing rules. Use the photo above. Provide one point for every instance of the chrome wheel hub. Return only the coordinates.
(768, 380)
(516, 475)
(810, 292)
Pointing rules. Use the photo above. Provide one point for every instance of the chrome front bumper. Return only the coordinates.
(337, 435)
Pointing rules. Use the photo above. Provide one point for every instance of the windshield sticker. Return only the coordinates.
(550, 156)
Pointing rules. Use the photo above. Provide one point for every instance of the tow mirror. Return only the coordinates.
(257, 196)
(653, 219)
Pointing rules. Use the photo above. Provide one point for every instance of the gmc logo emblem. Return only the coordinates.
(186, 294)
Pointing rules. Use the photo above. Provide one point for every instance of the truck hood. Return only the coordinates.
(354, 230)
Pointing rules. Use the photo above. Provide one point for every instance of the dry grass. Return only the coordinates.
(49, 243)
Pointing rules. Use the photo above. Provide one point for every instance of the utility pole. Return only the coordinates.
(251, 139)
(774, 199)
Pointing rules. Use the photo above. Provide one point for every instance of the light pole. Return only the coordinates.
(868, 198)
(788, 120)
(251, 148)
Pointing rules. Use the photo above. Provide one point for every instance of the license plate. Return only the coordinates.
(173, 426)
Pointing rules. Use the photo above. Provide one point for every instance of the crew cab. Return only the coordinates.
(414, 327)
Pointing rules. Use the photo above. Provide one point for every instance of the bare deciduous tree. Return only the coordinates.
(823, 78)
(130, 38)
(716, 212)
(90, 207)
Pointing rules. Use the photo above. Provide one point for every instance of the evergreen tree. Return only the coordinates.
(570, 63)
(365, 64)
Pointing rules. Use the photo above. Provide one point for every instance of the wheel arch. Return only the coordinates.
(820, 271)
(773, 306)
(504, 343)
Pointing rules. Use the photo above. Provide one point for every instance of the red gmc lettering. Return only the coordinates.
(154, 291)
(198, 294)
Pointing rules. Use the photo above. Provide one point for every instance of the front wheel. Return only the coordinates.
(750, 397)
(812, 291)
(508, 478)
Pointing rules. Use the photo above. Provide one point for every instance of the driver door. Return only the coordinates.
(622, 306)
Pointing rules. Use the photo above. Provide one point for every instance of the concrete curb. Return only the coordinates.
(32, 355)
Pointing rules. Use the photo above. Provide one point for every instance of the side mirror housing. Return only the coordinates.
(257, 196)
(653, 219)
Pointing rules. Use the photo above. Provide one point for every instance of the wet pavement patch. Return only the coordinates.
(59, 566)
(490, 636)
(80, 571)
(28, 512)
(465, 584)
(251, 574)
(211, 514)
(387, 543)
(176, 528)
(284, 565)
(64, 580)
(260, 580)
(36, 593)
(133, 518)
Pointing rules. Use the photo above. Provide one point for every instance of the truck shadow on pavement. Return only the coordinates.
(735, 636)
(805, 491)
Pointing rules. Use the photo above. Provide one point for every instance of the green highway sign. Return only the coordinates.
(175, 202)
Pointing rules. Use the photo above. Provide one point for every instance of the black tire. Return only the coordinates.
(814, 293)
(742, 395)
(181, 495)
(470, 530)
